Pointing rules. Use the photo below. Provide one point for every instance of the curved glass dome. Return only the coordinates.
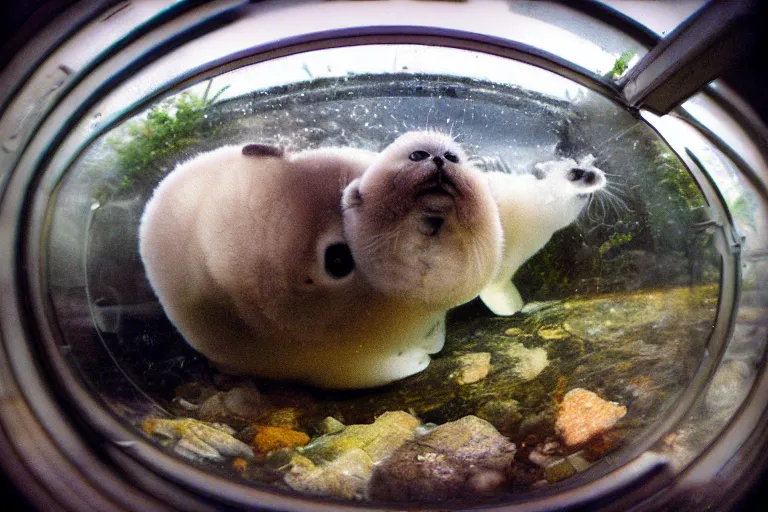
(635, 357)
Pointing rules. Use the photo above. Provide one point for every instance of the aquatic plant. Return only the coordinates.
(620, 65)
(150, 144)
(616, 240)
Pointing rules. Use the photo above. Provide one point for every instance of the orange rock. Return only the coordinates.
(584, 415)
(240, 464)
(269, 439)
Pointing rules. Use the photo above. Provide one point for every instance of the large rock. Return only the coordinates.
(197, 440)
(378, 440)
(341, 464)
(466, 457)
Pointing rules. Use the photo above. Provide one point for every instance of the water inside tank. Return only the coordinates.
(619, 304)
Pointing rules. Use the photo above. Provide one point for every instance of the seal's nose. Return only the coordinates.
(583, 175)
(438, 162)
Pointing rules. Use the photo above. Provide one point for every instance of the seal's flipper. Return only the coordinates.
(435, 337)
(502, 298)
(351, 198)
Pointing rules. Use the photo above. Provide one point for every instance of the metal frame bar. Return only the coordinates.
(695, 53)
(125, 444)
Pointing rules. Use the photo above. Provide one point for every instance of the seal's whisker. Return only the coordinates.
(379, 241)
(618, 187)
(613, 198)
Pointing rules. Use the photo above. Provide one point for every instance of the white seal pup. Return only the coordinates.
(532, 208)
(246, 250)
(425, 232)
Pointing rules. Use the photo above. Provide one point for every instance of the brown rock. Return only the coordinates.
(244, 401)
(462, 458)
(286, 417)
(584, 415)
(269, 439)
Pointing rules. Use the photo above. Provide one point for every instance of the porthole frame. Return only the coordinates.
(68, 441)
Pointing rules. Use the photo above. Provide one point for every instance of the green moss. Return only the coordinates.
(150, 143)
(676, 178)
(616, 240)
(620, 65)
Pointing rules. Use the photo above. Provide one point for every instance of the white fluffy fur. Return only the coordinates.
(388, 213)
(531, 211)
(234, 247)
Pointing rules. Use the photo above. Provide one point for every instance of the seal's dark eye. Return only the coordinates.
(451, 157)
(338, 261)
(418, 156)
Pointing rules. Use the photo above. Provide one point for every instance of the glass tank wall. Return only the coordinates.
(626, 308)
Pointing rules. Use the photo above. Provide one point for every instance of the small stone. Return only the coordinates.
(184, 405)
(269, 439)
(245, 402)
(239, 405)
(540, 459)
(472, 367)
(213, 409)
(578, 461)
(553, 332)
(537, 424)
(485, 483)
(515, 331)
(239, 464)
(530, 361)
(286, 417)
(197, 440)
(330, 425)
(583, 415)
(559, 470)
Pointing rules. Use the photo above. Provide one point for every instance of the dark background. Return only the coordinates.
(748, 76)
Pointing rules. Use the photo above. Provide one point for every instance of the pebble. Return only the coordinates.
(244, 401)
(583, 415)
(553, 332)
(530, 361)
(241, 403)
(269, 439)
(197, 440)
(286, 417)
(472, 368)
(559, 470)
(330, 425)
